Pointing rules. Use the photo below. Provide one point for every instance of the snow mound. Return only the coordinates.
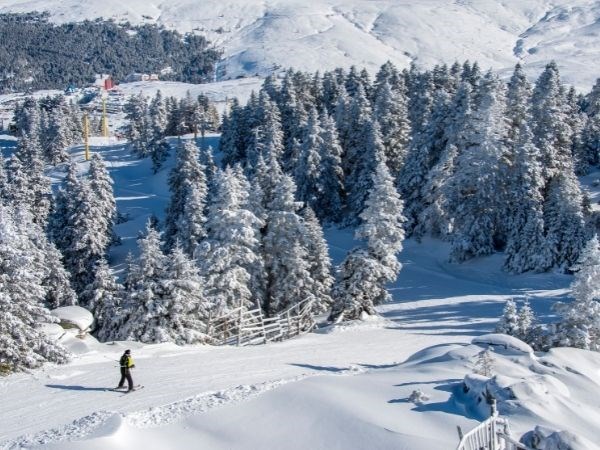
(543, 438)
(74, 316)
(502, 340)
(52, 330)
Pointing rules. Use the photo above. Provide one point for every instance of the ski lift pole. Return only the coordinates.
(104, 118)
(86, 134)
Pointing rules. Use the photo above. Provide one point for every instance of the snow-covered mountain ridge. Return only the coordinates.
(259, 36)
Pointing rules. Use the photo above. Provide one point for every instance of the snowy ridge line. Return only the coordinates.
(160, 415)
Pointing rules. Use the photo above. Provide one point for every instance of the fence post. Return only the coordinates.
(239, 336)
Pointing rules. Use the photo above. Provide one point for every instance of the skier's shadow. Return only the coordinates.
(75, 388)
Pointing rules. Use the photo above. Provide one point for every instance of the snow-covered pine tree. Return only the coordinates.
(289, 280)
(159, 152)
(525, 322)
(526, 248)
(145, 314)
(390, 110)
(509, 322)
(331, 200)
(417, 162)
(17, 184)
(231, 251)
(473, 190)
(158, 117)
(447, 125)
(22, 344)
(57, 138)
(362, 159)
(319, 261)
(231, 142)
(484, 365)
(589, 150)
(580, 320)
(39, 198)
(308, 166)
(362, 277)
(103, 298)
(191, 223)
(187, 172)
(563, 218)
(27, 118)
(188, 310)
(551, 131)
(138, 130)
(57, 280)
(101, 185)
(293, 119)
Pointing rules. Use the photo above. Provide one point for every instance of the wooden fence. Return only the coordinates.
(250, 327)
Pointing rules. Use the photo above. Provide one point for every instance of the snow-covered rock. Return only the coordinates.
(74, 317)
(52, 330)
(503, 341)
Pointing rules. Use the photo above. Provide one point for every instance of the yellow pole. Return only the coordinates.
(86, 134)
(104, 119)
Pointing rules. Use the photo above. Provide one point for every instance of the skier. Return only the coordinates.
(126, 363)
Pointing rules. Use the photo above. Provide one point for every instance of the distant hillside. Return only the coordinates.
(260, 35)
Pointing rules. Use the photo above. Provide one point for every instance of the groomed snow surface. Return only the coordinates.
(337, 388)
(259, 36)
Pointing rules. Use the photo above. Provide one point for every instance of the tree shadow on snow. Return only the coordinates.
(76, 388)
(450, 406)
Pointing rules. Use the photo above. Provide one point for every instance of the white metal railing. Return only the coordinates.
(491, 434)
(248, 327)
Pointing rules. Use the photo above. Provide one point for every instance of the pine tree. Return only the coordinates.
(57, 138)
(289, 280)
(101, 185)
(331, 200)
(138, 128)
(187, 172)
(509, 322)
(580, 320)
(158, 117)
(319, 261)
(308, 168)
(526, 248)
(191, 223)
(550, 122)
(159, 152)
(103, 298)
(484, 365)
(39, 199)
(22, 345)
(391, 112)
(563, 219)
(17, 183)
(145, 314)
(365, 272)
(188, 310)
(57, 279)
(472, 192)
(525, 321)
(230, 253)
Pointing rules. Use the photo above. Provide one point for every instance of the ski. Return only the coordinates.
(135, 388)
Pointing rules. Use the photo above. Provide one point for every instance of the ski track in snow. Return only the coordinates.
(158, 415)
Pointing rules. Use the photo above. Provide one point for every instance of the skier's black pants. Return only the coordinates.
(126, 375)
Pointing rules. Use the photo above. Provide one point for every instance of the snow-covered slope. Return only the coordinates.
(335, 388)
(259, 35)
